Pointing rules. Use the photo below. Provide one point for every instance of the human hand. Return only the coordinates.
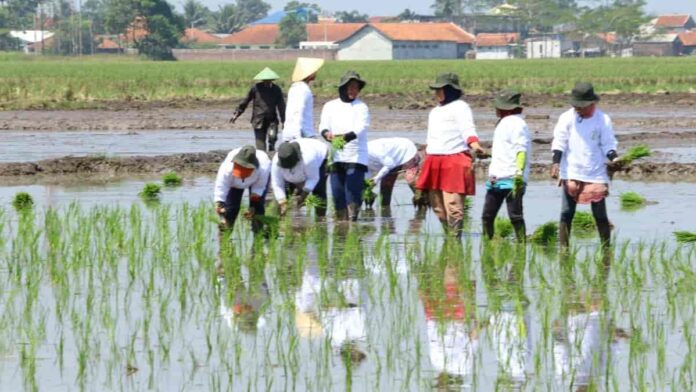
(282, 208)
(555, 171)
(220, 208)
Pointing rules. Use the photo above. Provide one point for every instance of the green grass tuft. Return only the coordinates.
(545, 234)
(313, 201)
(151, 191)
(171, 179)
(631, 200)
(637, 152)
(584, 224)
(503, 228)
(22, 201)
(685, 236)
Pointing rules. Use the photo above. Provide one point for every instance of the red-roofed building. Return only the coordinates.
(688, 40)
(193, 36)
(497, 46)
(108, 45)
(264, 36)
(399, 41)
(674, 23)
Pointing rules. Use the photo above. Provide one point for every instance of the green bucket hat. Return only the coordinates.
(583, 95)
(352, 75)
(446, 79)
(246, 157)
(289, 154)
(266, 74)
(508, 99)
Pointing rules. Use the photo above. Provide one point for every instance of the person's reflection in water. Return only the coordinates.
(503, 266)
(448, 295)
(582, 337)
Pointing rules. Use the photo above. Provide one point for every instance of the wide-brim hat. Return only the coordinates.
(246, 157)
(446, 79)
(352, 75)
(508, 99)
(307, 326)
(306, 67)
(289, 154)
(583, 95)
(266, 74)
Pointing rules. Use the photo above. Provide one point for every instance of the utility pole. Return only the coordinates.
(79, 28)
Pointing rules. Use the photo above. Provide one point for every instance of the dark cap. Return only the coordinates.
(508, 99)
(246, 157)
(583, 95)
(352, 75)
(289, 154)
(446, 79)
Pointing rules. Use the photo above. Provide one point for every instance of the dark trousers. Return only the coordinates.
(568, 206)
(233, 205)
(410, 170)
(347, 183)
(494, 200)
(266, 131)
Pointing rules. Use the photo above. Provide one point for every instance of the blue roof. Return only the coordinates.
(277, 16)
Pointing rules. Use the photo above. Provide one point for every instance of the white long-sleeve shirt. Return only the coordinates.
(510, 138)
(341, 118)
(585, 143)
(306, 171)
(258, 181)
(299, 112)
(388, 153)
(450, 129)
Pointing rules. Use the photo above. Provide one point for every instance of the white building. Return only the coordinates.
(501, 46)
(28, 38)
(548, 46)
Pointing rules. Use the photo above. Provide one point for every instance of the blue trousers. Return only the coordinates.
(347, 183)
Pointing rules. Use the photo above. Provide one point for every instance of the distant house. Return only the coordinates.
(674, 23)
(599, 44)
(658, 45)
(688, 40)
(108, 45)
(400, 41)
(31, 41)
(497, 46)
(543, 46)
(194, 36)
(264, 36)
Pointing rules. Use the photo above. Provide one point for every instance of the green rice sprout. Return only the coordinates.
(337, 143)
(545, 234)
(22, 201)
(632, 200)
(685, 236)
(368, 195)
(637, 152)
(314, 201)
(171, 179)
(518, 183)
(503, 228)
(151, 191)
(584, 224)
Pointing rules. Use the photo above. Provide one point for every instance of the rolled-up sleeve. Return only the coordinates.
(466, 124)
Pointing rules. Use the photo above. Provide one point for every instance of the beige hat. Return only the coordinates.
(307, 326)
(305, 67)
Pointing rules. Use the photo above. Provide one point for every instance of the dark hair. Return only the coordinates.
(451, 95)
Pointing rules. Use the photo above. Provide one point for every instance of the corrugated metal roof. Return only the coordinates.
(502, 39)
(672, 20)
(688, 38)
(448, 32)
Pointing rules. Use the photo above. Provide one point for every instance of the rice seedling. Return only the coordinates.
(503, 228)
(685, 236)
(313, 201)
(636, 152)
(368, 195)
(151, 192)
(22, 201)
(171, 179)
(632, 200)
(545, 234)
(338, 143)
(584, 224)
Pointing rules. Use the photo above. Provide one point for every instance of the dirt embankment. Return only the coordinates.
(208, 163)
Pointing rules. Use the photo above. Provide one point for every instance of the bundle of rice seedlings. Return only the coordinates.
(685, 236)
(584, 224)
(313, 201)
(637, 152)
(369, 196)
(545, 234)
(150, 192)
(22, 201)
(338, 142)
(503, 228)
(171, 179)
(632, 200)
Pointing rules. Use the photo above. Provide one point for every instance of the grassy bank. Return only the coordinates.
(34, 82)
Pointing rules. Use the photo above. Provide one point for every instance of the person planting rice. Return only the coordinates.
(243, 168)
(299, 113)
(584, 149)
(509, 168)
(387, 158)
(269, 106)
(301, 163)
(448, 174)
(346, 119)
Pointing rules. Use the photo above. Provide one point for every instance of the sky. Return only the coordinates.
(394, 7)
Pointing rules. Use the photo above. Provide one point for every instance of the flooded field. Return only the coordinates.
(101, 291)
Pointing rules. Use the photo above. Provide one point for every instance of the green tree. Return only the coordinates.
(251, 10)
(226, 20)
(293, 30)
(20, 13)
(307, 11)
(351, 17)
(195, 13)
(6, 40)
(447, 9)
(622, 17)
(407, 14)
(543, 15)
(95, 11)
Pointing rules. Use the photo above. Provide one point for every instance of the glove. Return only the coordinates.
(235, 117)
(282, 207)
(220, 208)
(615, 166)
(481, 153)
(555, 171)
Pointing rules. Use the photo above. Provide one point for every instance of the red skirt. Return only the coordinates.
(449, 173)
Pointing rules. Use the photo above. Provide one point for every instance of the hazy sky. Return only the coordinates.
(393, 7)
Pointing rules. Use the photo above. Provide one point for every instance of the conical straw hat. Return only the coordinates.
(306, 325)
(266, 74)
(305, 67)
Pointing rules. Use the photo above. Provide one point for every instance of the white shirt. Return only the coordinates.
(585, 143)
(387, 153)
(299, 112)
(314, 153)
(258, 181)
(450, 129)
(510, 138)
(451, 347)
(344, 117)
(582, 353)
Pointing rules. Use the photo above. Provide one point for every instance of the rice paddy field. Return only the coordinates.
(103, 290)
(45, 82)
